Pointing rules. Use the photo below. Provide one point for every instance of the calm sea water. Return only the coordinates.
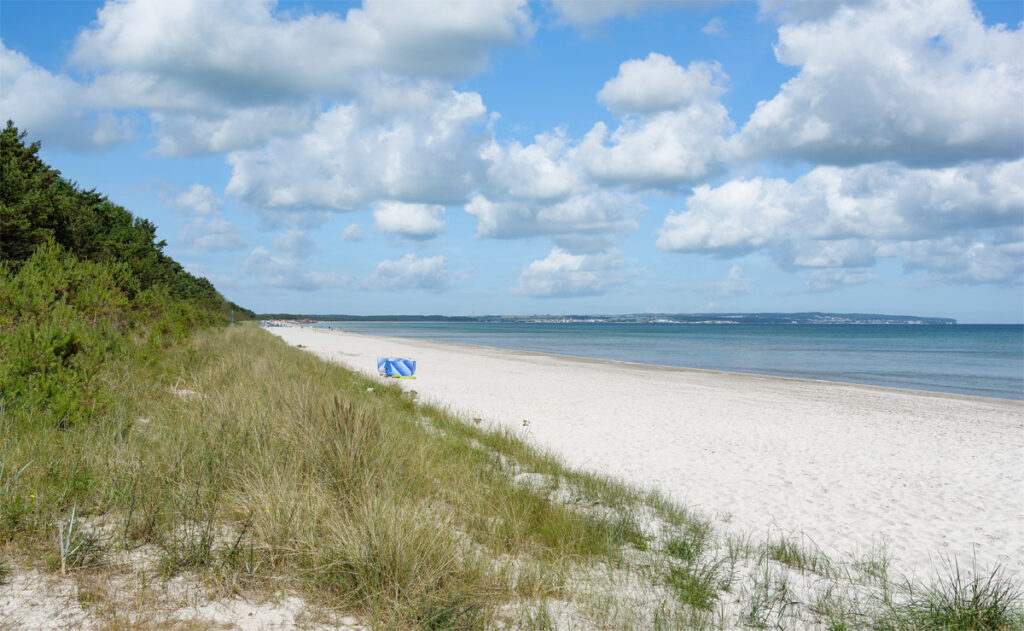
(982, 360)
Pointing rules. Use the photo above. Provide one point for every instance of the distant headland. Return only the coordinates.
(637, 318)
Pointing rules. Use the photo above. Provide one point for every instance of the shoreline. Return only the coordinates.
(683, 369)
(868, 368)
(930, 474)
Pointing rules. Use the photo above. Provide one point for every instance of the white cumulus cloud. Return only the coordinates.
(415, 221)
(673, 131)
(185, 134)
(877, 201)
(584, 222)
(997, 258)
(666, 150)
(198, 200)
(562, 274)
(715, 26)
(846, 217)
(55, 107)
(221, 75)
(422, 150)
(410, 272)
(228, 48)
(658, 83)
(908, 80)
(542, 170)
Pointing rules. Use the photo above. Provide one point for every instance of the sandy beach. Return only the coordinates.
(929, 475)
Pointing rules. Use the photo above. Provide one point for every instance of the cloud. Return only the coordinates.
(410, 272)
(715, 26)
(734, 285)
(198, 200)
(822, 280)
(56, 108)
(673, 132)
(838, 253)
(584, 222)
(286, 272)
(789, 11)
(878, 201)
(657, 83)
(542, 189)
(295, 243)
(449, 39)
(417, 149)
(835, 218)
(209, 230)
(415, 221)
(187, 134)
(919, 83)
(217, 76)
(585, 196)
(352, 232)
(996, 258)
(664, 151)
(211, 233)
(232, 48)
(562, 274)
(543, 170)
(586, 13)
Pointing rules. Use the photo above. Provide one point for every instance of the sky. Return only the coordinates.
(558, 157)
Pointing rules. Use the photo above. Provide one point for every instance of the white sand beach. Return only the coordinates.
(849, 466)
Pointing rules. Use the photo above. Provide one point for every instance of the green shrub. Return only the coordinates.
(61, 320)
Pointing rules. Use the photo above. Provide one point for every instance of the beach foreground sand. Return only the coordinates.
(933, 476)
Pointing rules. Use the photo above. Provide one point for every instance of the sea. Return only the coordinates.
(980, 360)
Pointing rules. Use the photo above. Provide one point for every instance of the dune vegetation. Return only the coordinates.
(145, 446)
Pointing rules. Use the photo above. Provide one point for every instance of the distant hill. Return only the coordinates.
(645, 318)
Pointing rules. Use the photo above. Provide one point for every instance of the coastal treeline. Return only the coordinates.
(83, 283)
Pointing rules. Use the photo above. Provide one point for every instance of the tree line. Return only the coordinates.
(85, 290)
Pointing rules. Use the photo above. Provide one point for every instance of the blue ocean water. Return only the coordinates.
(981, 360)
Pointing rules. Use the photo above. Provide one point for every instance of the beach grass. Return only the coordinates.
(961, 599)
(248, 467)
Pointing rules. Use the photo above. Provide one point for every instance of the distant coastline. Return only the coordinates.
(814, 317)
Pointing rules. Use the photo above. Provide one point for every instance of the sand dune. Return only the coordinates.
(850, 466)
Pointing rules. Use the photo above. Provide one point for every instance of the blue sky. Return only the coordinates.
(554, 157)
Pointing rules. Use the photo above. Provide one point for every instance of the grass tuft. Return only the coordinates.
(961, 601)
(696, 584)
(692, 544)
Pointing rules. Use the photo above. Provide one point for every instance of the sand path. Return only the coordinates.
(931, 475)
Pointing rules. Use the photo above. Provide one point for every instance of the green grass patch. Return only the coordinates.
(960, 601)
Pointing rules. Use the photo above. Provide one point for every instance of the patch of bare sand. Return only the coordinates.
(99, 599)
